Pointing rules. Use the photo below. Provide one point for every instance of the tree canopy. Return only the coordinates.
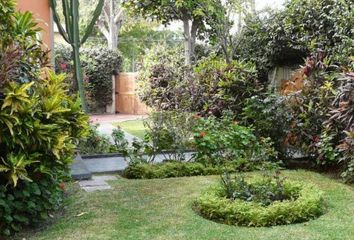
(196, 16)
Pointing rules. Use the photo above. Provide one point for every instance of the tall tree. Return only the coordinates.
(195, 15)
(111, 21)
(230, 18)
(71, 34)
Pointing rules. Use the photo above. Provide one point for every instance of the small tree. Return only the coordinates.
(71, 34)
(195, 15)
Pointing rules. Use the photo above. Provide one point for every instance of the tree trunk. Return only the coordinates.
(187, 42)
(193, 39)
(113, 38)
(253, 6)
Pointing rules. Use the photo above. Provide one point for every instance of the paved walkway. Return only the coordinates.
(106, 123)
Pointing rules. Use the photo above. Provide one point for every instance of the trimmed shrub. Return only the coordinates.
(305, 203)
(170, 169)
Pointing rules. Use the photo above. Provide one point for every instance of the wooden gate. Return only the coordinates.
(127, 101)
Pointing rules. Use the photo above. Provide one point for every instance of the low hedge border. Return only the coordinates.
(306, 203)
(170, 169)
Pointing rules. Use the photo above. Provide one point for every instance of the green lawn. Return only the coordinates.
(161, 209)
(134, 127)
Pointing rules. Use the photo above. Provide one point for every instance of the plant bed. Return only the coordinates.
(299, 202)
(168, 169)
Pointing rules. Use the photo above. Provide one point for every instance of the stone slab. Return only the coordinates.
(79, 170)
(105, 165)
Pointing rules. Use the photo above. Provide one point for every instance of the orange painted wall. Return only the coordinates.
(42, 13)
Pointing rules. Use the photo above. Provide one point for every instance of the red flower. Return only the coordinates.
(62, 186)
(316, 138)
(63, 66)
(202, 134)
(307, 70)
(197, 116)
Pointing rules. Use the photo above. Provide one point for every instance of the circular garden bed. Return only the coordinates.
(301, 203)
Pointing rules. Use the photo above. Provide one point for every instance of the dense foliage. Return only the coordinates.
(99, 65)
(304, 203)
(289, 35)
(225, 86)
(211, 87)
(196, 16)
(270, 116)
(223, 140)
(39, 127)
(165, 83)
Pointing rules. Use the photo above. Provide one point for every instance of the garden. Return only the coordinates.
(249, 135)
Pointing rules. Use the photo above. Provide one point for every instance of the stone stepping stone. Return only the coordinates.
(97, 183)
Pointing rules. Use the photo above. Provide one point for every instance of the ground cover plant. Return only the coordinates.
(162, 209)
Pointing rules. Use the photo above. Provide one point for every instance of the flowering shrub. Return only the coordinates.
(96, 143)
(218, 141)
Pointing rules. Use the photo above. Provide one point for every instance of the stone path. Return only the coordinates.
(97, 183)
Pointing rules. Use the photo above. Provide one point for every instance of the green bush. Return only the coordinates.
(96, 143)
(170, 169)
(165, 83)
(223, 140)
(305, 202)
(171, 131)
(270, 116)
(39, 128)
(99, 64)
(225, 86)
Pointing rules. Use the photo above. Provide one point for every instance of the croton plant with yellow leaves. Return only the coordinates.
(40, 125)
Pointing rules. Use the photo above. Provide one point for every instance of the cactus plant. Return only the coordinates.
(71, 34)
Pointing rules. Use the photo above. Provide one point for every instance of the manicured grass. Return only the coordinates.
(134, 127)
(161, 209)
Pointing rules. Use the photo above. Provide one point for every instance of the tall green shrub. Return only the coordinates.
(99, 64)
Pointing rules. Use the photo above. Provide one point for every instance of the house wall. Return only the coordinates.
(42, 13)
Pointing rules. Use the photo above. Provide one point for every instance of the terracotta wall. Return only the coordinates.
(42, 13)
